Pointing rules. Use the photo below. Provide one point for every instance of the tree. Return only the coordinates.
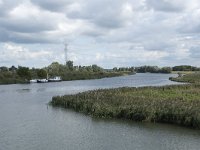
(53, 69)
(41, 73)
(13, 68)
(166, 70)
(96, 68)
(24, 72)
(115, 69)
(3, 69)
(70, 65)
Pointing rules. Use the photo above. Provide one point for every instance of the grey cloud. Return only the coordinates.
(28, 29)
(8, 5)
(26, 26)
(103, 13)
(161, 45)
(9, 36)
(52, 5)
(189, 26)
(195, 52)
(164, 5)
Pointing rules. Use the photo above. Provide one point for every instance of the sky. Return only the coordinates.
(108, 33)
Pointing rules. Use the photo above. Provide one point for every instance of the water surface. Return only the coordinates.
(27, 123)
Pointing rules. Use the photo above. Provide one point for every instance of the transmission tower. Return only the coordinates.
(66, 50)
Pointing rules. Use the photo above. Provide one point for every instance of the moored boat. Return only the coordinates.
(33, 81)
(55, 79)
(42, 81)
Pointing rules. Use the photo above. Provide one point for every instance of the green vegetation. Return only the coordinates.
(67, 72)
(156, 69)
(145, 69)
(169, 104)
(71, 72)
(24, 72)
(14, 75)
(10, 78)
(185, 68)
(182, 72)
(153, 69)
(191, 78)
(41, 73)
(175, 104)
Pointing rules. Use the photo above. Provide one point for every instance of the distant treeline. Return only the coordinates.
(68, 71)
(185, 68)
(156, 69)
(144, 69)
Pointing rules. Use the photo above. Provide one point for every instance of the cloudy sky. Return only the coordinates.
(104, 32)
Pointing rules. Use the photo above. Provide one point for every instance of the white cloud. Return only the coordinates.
(124, 32)
(16, 54)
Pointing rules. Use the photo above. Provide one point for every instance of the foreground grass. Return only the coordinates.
(177, 104)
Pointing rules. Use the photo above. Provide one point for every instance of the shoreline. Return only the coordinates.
(100, 76)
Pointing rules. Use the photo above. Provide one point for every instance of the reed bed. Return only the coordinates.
(175, 104)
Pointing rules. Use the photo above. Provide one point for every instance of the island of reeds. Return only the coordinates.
(174, 104)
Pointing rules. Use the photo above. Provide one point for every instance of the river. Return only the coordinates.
(28, 123)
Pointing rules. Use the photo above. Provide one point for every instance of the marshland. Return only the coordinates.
(175, 104)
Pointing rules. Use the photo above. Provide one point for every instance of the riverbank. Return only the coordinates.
(11, 78)
(175, 104)
(92, 75)
(190, 78)
(74, 75)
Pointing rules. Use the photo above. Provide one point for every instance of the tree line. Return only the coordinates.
(156, 69)
(68, 71)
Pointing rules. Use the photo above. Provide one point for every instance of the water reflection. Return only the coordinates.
(23, 90)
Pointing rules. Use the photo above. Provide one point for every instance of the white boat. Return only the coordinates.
(55, 79)
(42, 81)
(33, 81)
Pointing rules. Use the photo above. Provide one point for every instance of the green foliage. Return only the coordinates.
(169, 104)
(24, 72)
(185, 68)
(67, 72)
(166, 70)
(41, 73)
(10, 77)
(70, 72)
(96, 68)
(153, 69)
(3, 69)
(70, 65)
(191, 78)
